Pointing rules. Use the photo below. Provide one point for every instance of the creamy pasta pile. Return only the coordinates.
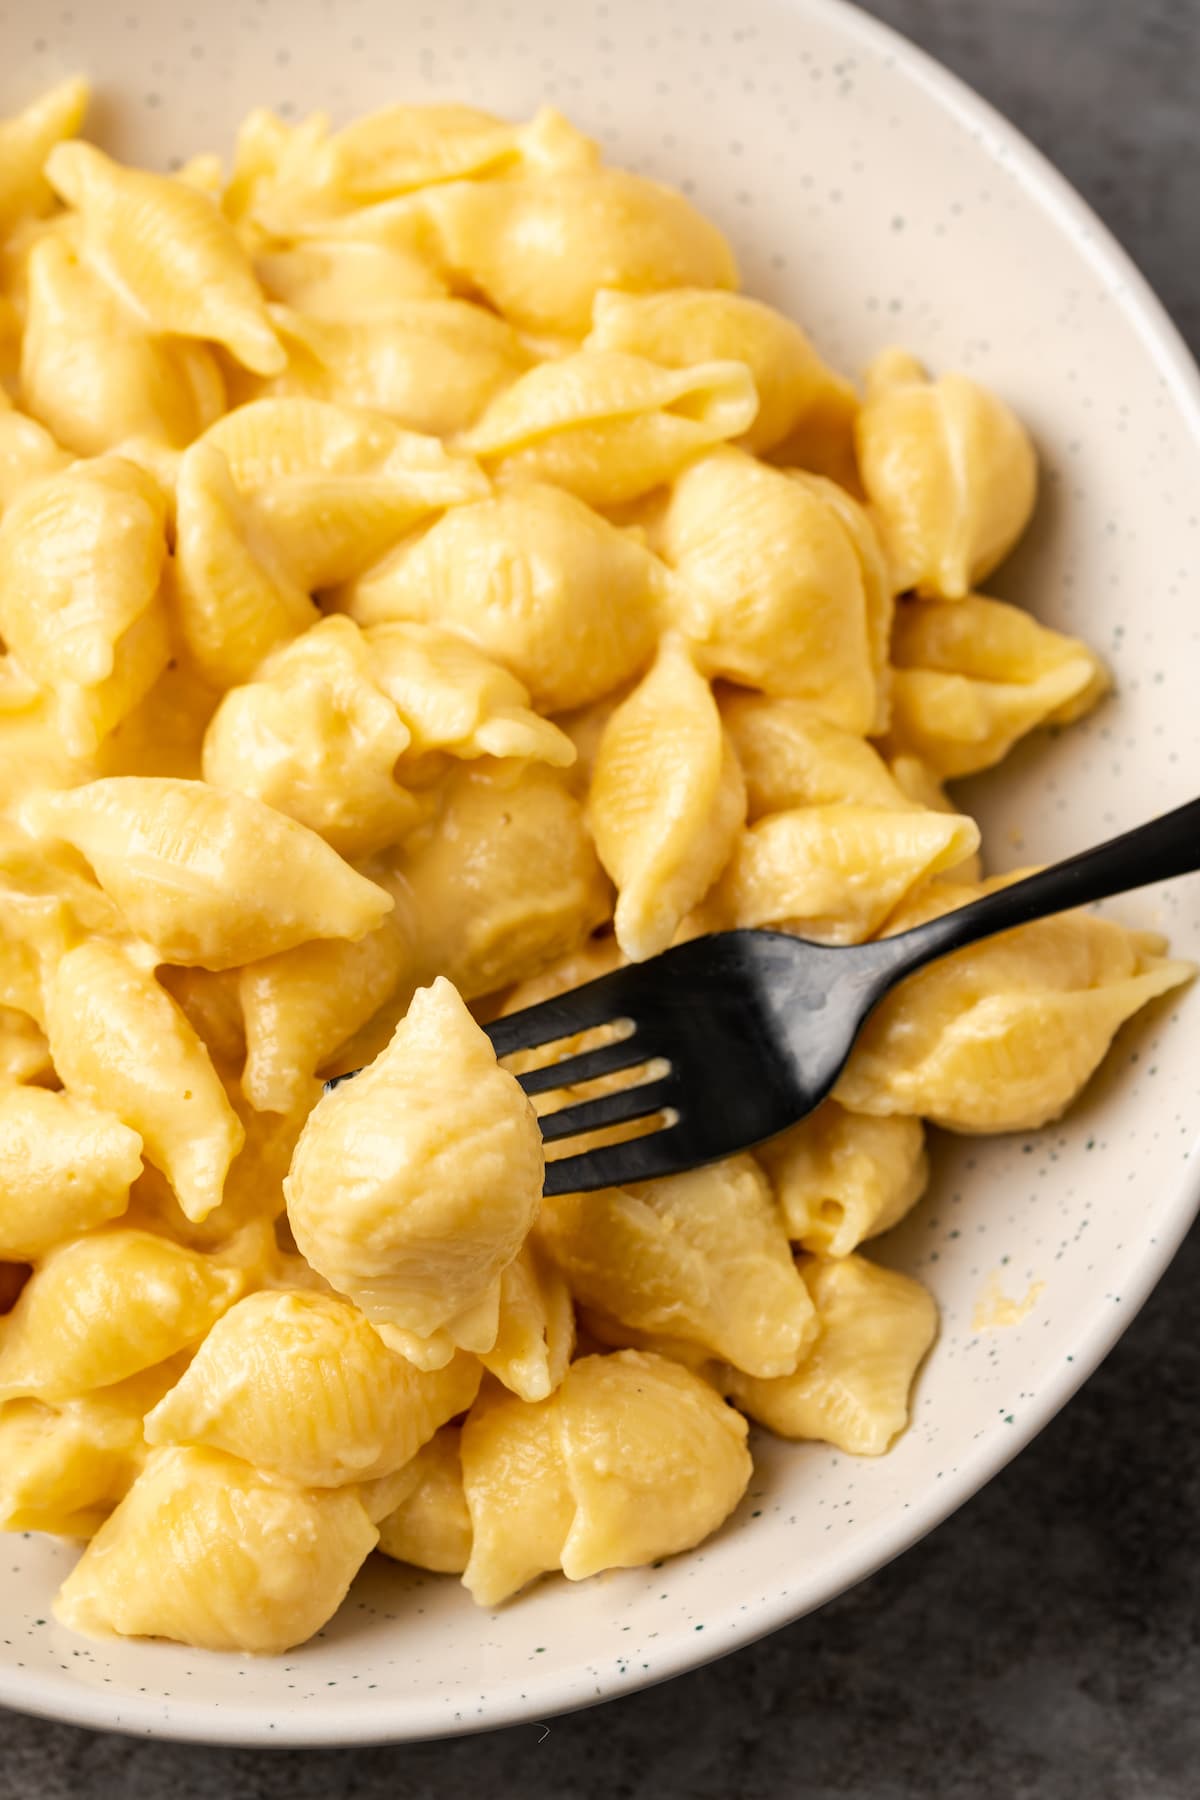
(427, 582)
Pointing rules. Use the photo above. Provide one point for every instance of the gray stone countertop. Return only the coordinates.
(1045, 1642)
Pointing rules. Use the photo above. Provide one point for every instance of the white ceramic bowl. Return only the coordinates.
(869, 193)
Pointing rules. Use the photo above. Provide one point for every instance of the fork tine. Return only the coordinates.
(638, 1102)
(565, 1015)
(572, 1070)
(658, 1153)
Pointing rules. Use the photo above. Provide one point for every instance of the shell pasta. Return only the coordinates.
(427, 582)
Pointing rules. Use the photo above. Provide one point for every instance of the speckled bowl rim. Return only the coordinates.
(200, 1722)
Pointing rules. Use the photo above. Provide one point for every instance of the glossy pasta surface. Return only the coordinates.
(427, 582)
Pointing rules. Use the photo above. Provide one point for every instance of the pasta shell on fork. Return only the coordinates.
(435, 1199)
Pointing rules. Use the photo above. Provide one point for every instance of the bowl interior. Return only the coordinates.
(869, 195)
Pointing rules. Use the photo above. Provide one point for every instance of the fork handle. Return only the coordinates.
(1163, 848)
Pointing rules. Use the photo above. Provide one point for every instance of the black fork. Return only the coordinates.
(736, 1036)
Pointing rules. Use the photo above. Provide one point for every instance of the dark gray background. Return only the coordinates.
(1046, 1641)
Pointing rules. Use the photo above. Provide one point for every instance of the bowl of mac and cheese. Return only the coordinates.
(479, 505)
